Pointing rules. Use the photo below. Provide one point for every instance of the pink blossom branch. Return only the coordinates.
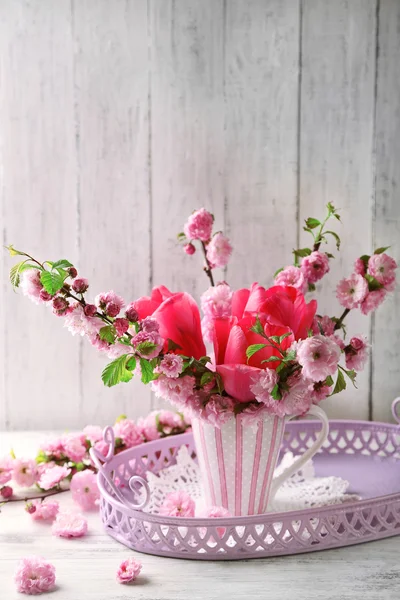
(339, 323)
(28, 498)
(207, 269)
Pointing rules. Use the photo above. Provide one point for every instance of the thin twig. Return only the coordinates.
(207, 269)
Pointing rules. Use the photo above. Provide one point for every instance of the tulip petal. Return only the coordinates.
(236, 347)
(237, 380)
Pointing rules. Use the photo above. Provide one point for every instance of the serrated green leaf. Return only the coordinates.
(283, 337)
(108, 333)
(173, 345)
(311, 287)
(312, 223)
(114, 372)
(16, 271)
(147, 371)
(126, 376)
(340, 383)
(62, 264)
(329, 255)
(331, 208)
(181, 236)
(253, 349)
(280, 367)
(145, 348)
(206, 378)
(335, 235)
(329, 381)
(291, 355)
(257, 327)
(365, 258)
(51, 281)
(278, 271)
(351, 374)
(13, 251)
(271, 359)
(302, 252)
(381, 250)
(373, 284)
(131, 363)
(275, 393)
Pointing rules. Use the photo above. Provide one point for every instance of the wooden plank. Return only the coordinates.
(386, 348)
(40, 362)
(112, 109)
(187, 149)
(261, 86)
(336, 148)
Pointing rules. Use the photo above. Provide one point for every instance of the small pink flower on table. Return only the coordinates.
(128, 432)
(219, 250)
(6, 467)
(69, 524)
(84, 489)
(199, 225)
(178, 504)
(24, 472)
(53, 476)
(6, 492)
(74, 447)
(34, 576)
(351, 291)
(128, 570)
(42, 510)
(93, 433)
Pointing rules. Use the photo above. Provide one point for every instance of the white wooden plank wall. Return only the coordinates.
(117, 118)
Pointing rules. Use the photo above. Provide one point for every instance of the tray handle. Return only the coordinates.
(100, 460)
(396, 409)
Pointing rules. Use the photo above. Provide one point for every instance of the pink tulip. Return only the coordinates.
(146, 305)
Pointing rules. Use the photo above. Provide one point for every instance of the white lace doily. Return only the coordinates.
(302, 490)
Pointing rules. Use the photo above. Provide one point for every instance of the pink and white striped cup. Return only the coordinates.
(237, 461)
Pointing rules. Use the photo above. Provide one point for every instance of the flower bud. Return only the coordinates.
(189, 248)
(30, 508)
(60, 305)
(80, 285)
(131, 313)
(45, 296)
(72, 272)
(112, 309)
(121, 326)
(6, 491)
(90, 310)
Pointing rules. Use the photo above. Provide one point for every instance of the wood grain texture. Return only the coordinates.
(336, 149)
(38, 174)
(112, 125)
(86, 568)
(261, 90)
(386, 348)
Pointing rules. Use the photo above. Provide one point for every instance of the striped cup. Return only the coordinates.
(237, 461)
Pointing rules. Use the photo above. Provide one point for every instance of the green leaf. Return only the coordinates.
(121, 418)
(253, 349)
(340, 383)
(329, 381)
(52, 282)
(365, 258)
(62, 264)
(206, 378)
(275, 393)
(329, 255)
(280, 367)
(373, 284)
(291, 355)
(301, 252)
(13, 251)
(114, 372)
(257, 327)
(335, 235)
(311, 287)
(278, 271)
(16, 270)
(331, 208)
(271, 359)
(131, 363)
(181, 237)
(381, 250)
(147, 371)
(351, 374)
(108, 333)
(126, 376)
(283, 337)
(173, 345)
(312, 223)
(145, 348)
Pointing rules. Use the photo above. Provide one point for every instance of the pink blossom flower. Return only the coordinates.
(216, 512)
(160, 422)
(207, 328)
(319, 357)
(150, 325)
(54, 448)
(189, 249)
(219, 250)
(382, 267)
(102, 447)
(338, 340)
(178, 504)
(116, 350)
(61, 306)
(74, 448)
(131, 313)
(84, 490)
(69, 524)
(199, 225)
(217, 301)
(72, 272)
(359, 267)
(6, 492)
(78, 322)
(43, 510)
(80, 285)
(218, 410)
(128, 432)
(34, 576)
(356, 353)
(121, 326)
(90, 310)
(110, 303)
(171, 365)
(24, 472)
(320, 392)
(147, 345)
(292, 276)
(31, 285)
(297, 400)
(45, 296)
(128, 570)
(372, 301)
(53, 476)
(6, 467)
(93, 433)
(176, 391)
(315, 266)
(323, 325)
(264, 382)
(352, 291)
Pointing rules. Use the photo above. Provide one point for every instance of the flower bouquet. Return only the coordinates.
(274, 356)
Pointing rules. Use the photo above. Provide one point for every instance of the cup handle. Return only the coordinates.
(315, 411)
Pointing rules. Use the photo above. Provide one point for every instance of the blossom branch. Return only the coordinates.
(207, 268)
(339, 322)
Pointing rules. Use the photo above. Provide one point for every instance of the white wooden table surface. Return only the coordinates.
(86, 567)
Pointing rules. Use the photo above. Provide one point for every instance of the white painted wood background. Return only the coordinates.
(118, 118)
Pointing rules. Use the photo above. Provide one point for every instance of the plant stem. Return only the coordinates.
(207, 269)
(35, 497)
(339, 324)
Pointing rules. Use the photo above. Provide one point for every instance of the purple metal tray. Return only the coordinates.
(366, 454)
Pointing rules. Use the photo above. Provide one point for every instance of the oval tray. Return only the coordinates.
(364, 453)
